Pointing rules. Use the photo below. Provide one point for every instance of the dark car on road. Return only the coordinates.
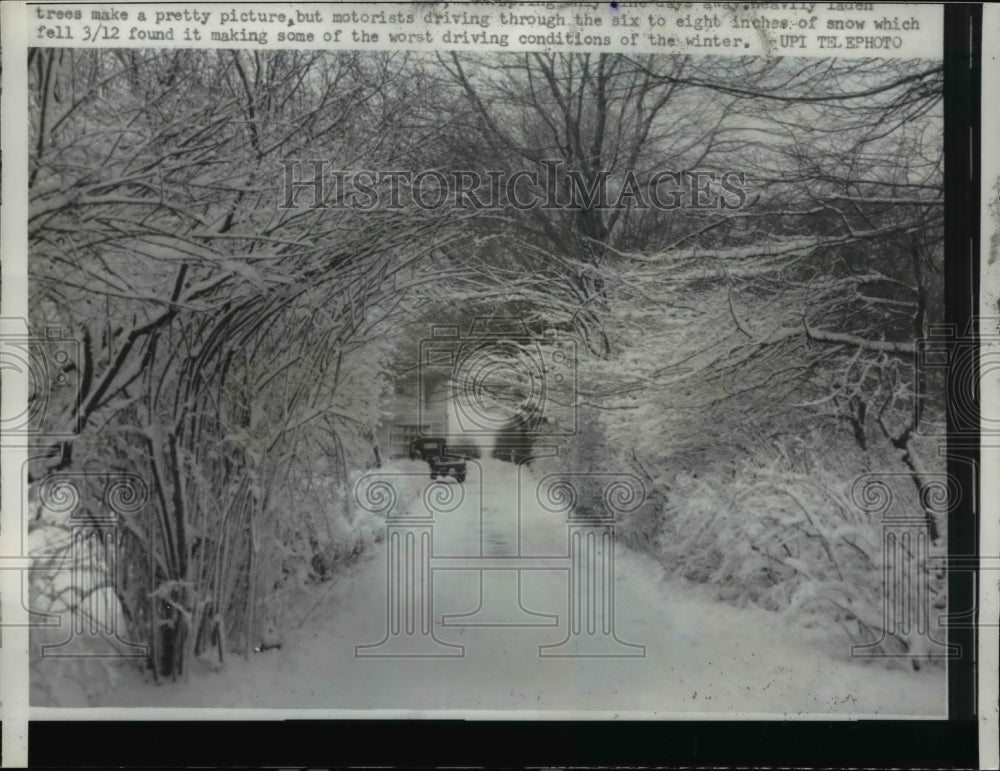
(445, 465)
(442, 463)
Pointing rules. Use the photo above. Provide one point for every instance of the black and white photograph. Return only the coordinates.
(564, 382)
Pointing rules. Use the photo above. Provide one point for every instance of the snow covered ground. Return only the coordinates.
(701, 656)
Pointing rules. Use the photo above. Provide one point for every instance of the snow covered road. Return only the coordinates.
(700, 658)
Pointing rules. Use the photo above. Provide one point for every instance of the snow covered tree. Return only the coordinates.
(223, 336)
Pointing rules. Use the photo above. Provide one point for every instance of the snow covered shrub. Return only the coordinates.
(641, 529)
(319, 532)
(783, 531)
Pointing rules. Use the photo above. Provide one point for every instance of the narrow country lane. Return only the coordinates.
(700, 657)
